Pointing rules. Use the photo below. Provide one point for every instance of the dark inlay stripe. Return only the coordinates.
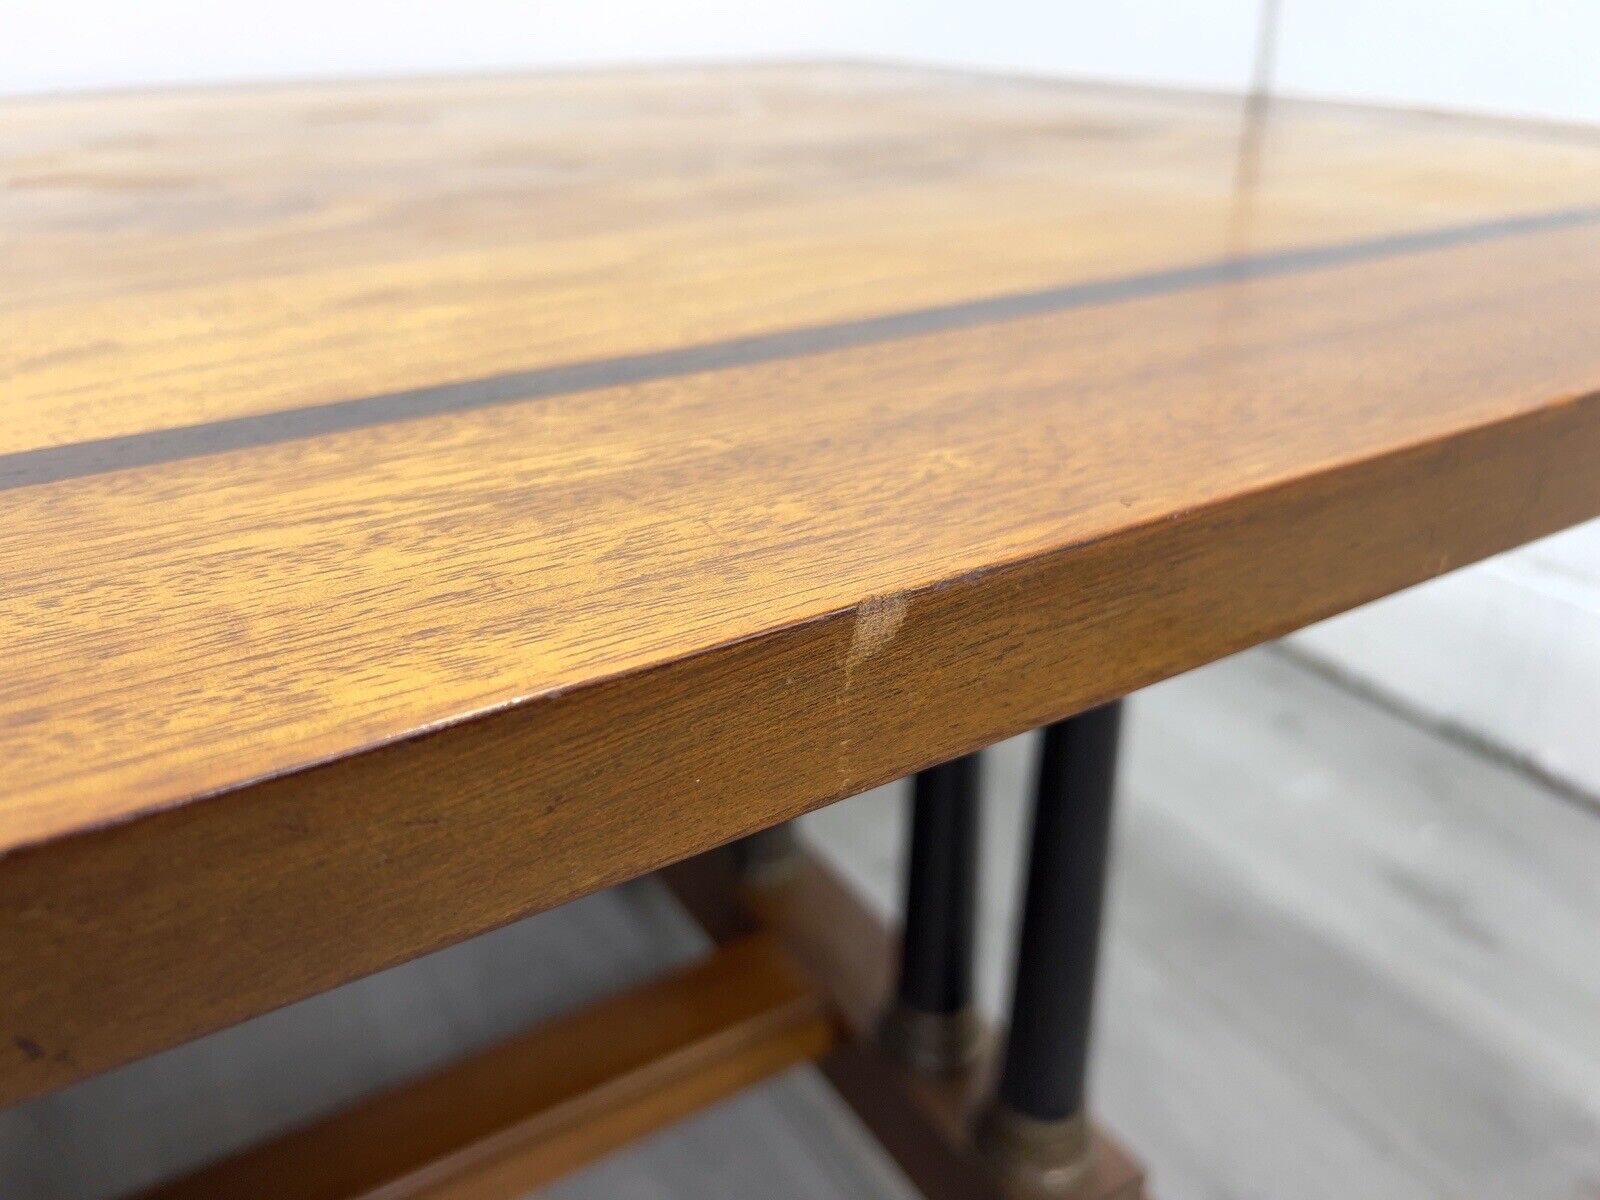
(51, 464)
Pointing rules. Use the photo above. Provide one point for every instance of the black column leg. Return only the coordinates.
(1035, 1133)
(932, 1025)
(768, 857)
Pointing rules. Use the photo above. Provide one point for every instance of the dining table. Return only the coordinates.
(425, 502)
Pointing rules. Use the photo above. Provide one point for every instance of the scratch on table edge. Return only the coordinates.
(878, 619)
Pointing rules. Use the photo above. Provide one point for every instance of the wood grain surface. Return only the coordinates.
(515, 1117)
(424, 503)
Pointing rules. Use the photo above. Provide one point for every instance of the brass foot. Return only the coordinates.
(931, 1043)
(1034, 1159)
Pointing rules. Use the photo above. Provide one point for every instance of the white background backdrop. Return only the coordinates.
(1508, 652)
(1512, 56)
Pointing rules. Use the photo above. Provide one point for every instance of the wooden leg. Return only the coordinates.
(501, 1123)
(924, 1122)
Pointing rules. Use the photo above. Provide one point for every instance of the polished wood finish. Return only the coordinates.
(850, 955)
(181, 256)
(358, 597)
(517, 1116)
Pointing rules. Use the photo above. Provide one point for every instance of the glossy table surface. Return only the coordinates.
(426, 502)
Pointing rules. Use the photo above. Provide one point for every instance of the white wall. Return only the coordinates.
(1518, 57)
(1508, 651)
(54, 44)
(1532, 57)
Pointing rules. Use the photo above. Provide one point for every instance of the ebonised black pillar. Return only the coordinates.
(1036, 1132)
(932, 1025)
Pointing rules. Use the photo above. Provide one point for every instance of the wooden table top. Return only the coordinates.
(426, 502)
